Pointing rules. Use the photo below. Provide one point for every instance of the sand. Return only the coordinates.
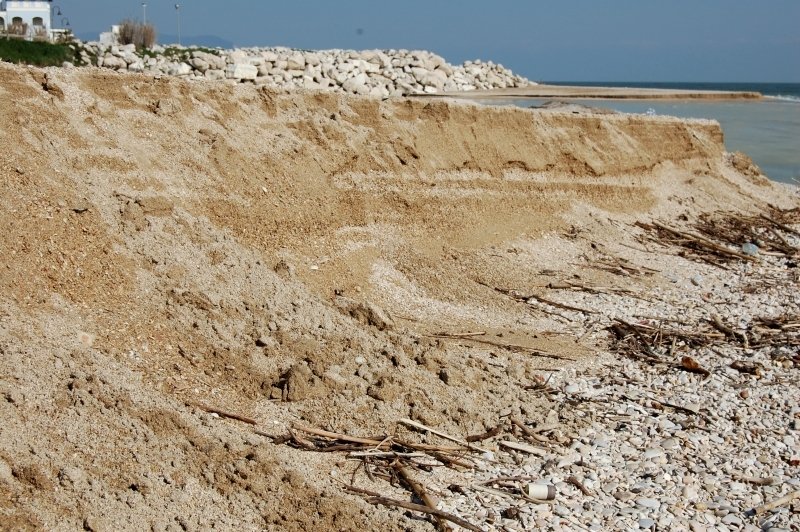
(286, 256)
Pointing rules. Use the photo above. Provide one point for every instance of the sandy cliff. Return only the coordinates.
(283, 256)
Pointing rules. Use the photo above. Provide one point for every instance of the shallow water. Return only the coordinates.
(766, 130)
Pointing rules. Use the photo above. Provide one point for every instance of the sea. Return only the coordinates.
(767, 130)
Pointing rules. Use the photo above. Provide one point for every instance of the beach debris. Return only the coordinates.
(750, 249)
(690, 364)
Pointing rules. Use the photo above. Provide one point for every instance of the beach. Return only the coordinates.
(236, 306)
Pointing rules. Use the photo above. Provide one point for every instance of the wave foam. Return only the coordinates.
(784, 98)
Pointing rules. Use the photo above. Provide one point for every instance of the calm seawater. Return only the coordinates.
(767, 130)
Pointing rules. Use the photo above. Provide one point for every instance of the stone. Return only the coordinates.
(732, 519)
(647, 502)
(180, 69)
(670, 443)
(646, 523)
(296, 61)
(241, 71)
(112, 61)
(214, 75)
(353, 85)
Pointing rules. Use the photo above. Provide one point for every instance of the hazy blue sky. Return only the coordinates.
(570, 40)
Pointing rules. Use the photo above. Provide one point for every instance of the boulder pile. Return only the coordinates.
(378, 73)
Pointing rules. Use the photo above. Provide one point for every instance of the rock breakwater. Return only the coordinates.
(378, 73)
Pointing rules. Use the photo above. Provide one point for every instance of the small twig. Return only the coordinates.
(531, 433)
(511, 347)
(578, 484)
(523, 447)
(458, 335)
(491, 433)
(382, 454)
(385, 501)
(360, 491)
(425, 428)
(223, 413)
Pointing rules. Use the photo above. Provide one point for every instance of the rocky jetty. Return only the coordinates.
(379, 73)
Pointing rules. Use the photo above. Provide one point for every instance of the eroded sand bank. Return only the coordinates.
(287, 257)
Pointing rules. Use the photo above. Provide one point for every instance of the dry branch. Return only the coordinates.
(786, 499)
(422, 493)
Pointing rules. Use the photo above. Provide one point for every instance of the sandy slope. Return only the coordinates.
(168, 243)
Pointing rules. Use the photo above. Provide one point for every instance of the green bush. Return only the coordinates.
(35, 53)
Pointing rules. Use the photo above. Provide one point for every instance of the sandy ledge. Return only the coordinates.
(599, 93)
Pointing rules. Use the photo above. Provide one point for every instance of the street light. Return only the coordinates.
(144, 12)
(55, 11)
(178, 15)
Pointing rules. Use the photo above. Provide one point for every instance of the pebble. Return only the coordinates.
(646, 502)
(646, 523)
(670, 443)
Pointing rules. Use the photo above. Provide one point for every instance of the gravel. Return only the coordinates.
(732, 446)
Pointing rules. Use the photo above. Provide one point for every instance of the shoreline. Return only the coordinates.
(575, 92)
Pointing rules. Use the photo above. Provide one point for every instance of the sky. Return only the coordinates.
(544, 40)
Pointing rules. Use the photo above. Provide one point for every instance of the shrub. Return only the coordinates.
(132, 32)
(35, 53)
(17, 28)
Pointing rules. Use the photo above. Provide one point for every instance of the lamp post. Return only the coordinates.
(55, 11)
(178, 15)
(144, 13)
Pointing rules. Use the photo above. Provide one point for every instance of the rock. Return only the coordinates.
(241, 71)
(180, 69)
(353, 85)
(646, 523)
(670, 443)
(649, 503)
(732, 519)
(296, 61)
(750, 249)
(215, 75)
(199, 64)
(112, 61)
(649, 454)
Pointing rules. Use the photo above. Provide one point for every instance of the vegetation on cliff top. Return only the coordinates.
(35, 53)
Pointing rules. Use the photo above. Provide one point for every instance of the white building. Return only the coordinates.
(33, 16)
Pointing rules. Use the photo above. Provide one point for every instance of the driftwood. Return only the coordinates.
(422, 494)
(705, 243)
(786, 499)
